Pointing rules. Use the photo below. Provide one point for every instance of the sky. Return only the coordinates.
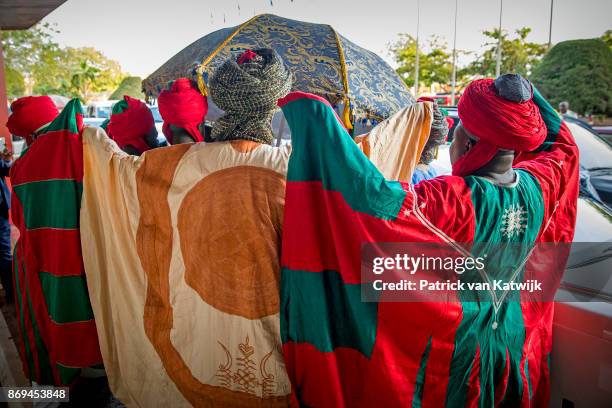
(143, 34)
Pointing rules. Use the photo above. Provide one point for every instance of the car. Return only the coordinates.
(97, 112)
(596, 158)
(159, 124)
(605, 132)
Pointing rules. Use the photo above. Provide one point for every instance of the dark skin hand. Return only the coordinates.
(498, 169)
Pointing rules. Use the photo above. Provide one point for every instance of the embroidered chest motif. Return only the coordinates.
(514, 221)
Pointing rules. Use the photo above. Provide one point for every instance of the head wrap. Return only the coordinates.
(501, 113)
(247, 89)
(130, 121)
(29, 114)
(437, 133)
(183, 106)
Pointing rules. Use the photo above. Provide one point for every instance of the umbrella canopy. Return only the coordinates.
(322, 62)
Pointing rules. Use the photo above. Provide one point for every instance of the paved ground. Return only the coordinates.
(87, 392)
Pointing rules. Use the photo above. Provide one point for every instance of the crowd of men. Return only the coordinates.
(510, 151)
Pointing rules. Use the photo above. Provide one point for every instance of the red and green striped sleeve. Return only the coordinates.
(58, 332)
(339, 350)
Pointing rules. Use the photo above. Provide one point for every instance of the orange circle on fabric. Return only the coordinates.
(154, 246)
(230, 241)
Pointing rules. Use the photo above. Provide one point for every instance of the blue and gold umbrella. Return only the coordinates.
(321, 60)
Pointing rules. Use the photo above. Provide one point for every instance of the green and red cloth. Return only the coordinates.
(58, 332)
(343, 352)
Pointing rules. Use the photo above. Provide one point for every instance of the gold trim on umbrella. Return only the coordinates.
(200, 69)
(347, 102)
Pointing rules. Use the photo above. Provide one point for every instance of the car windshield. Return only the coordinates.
(156, 116)
(103, 112)
(594, 152)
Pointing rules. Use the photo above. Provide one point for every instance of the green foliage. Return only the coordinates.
(15, 84)
(131, 86)
(580, 72)
(46, 68)
(435, 61)
(607, 38)
(91, 72)
(518, 55)
(24, 49)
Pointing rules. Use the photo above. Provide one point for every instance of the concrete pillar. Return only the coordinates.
(3, 102)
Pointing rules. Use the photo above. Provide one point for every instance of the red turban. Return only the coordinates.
(130, 125)
(183, 106)
(498, 123)
(29, 114)
(450, 121)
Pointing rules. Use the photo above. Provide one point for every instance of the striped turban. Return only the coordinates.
(247, 89)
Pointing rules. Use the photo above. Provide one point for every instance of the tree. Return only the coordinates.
(607, 38)
(15, 84)
(131, 85)
(91, 73)
(580, 72)
(435, 62)
(519, 56)
(28, 50)
(46, 68)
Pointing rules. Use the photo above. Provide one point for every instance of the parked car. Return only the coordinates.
(605, 132)
(596, 158)
(159, 123)
(97, 112)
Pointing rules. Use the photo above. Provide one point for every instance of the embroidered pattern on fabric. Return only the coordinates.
(514, 221)
(244, 376)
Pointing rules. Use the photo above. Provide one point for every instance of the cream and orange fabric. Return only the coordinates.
(395, 145)
(181, 248)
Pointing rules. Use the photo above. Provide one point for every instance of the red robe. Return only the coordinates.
(342, 351)
(57, 331)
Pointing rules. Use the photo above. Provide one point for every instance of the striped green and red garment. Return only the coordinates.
(341, 351)
(58, 332)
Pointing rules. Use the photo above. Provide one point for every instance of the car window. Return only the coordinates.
(103, 112)
(156, 115)
(594, 153)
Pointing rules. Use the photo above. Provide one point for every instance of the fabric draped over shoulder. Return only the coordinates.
(395, 145)
(181, 248)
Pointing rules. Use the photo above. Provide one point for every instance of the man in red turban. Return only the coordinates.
(498, 118)
(514, 188)
(30, 115)
(132, 126)
(183, 109)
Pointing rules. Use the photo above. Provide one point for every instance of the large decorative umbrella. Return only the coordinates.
(356, 80)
